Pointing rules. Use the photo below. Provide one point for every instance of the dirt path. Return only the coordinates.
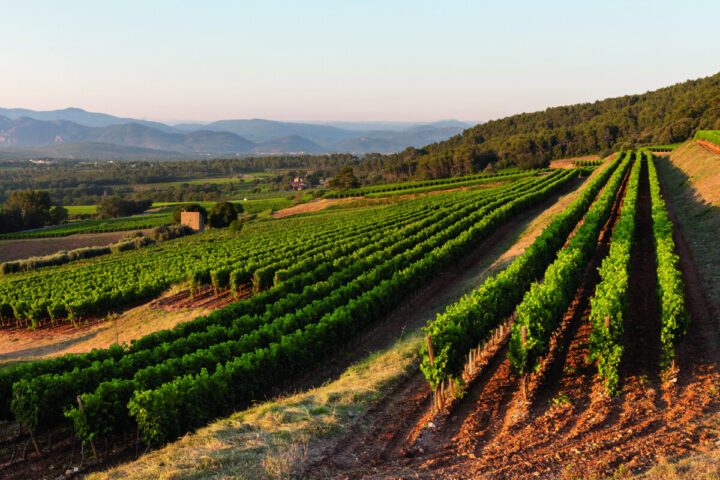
(572, 429)
(204, 297)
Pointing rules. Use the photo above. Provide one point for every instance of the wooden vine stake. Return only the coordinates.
(436, 400)
(92, 444)
(607, 323)
(523, 339)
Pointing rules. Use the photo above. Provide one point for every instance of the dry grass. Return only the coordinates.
(45, 342)
(703, 466)
(275, 439)
(525, 238)
(691, 178)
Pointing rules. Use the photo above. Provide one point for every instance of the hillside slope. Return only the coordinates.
(692, 178)
(667, 115)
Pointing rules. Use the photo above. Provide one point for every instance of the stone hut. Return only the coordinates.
(193, 220)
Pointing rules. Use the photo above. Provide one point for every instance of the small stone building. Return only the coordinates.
(193, 220)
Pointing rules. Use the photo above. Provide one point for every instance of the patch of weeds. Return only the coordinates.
(319, 411)
(622, 472)
(560, 399)
(334, 397)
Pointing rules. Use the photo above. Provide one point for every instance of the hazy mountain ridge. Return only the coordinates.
(21, 128)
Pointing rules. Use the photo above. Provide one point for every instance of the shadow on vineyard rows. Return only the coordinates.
(571, 428)
(60, 450)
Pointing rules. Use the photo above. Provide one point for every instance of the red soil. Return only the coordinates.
(709, 146)
(204, 297)
(571, 428)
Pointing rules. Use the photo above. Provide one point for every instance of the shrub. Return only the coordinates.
(168, 232)
(223, 213)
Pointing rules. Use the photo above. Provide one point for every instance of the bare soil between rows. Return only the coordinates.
(571, 429)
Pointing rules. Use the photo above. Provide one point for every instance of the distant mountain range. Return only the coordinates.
(76, 133)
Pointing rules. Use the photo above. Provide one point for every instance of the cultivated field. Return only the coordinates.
(555, 323)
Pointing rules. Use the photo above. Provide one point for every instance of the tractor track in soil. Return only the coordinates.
(572, 429)
(19, 461)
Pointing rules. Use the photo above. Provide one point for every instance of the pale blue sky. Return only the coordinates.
(341, 60)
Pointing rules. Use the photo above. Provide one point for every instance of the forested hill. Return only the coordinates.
(667, 115)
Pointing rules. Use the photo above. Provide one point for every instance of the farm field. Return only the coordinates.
(502, 361)
(569, 427)
(32, 247)
(402, 241)
(423, 249)
(160, 214)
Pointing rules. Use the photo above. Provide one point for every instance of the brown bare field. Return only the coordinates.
(313, 206)
(37, 247)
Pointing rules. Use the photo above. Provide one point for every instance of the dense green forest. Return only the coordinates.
(663, 116)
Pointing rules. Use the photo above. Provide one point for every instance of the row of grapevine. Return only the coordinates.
(468, 322)
(609, 304)
(543, 306)
(191, 333)
(291, 342)
(712, 136)
(136, 222)
(55, 389)
(673, 314)
(32, 396)
(109, 283)
(415, 187)
(588, 163)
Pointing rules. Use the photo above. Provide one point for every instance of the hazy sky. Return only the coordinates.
(343, 60)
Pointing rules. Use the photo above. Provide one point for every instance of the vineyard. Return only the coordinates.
(708, 139)
(429, 185)
(318, 282)
(586, 329)
(136, 222)
(577, 359)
